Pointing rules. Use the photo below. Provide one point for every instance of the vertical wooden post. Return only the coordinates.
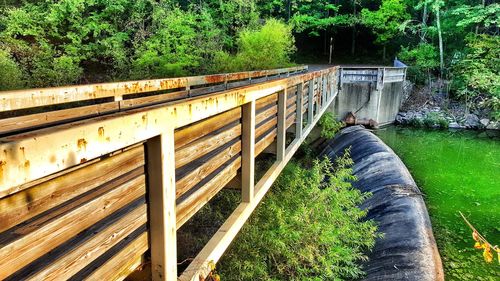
(310, 106)
(247, 151)
(326, 84)
(318, 97)
(162, 213)
(325, 90)
(299, 117)
(280, 143)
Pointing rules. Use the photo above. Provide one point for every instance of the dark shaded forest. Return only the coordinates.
(51, 43)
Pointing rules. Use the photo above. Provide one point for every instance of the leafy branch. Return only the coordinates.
(482, 243)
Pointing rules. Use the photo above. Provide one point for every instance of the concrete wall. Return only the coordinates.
(369, 103)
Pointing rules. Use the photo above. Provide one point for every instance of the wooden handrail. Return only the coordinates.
(29, 98)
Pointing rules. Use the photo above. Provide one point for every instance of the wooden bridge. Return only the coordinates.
(95, 180)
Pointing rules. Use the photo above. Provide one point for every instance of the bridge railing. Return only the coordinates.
(34, 108)
(376, 75)
(87, 199)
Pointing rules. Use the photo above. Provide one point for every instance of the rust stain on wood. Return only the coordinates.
(82, 144)
(100, 132)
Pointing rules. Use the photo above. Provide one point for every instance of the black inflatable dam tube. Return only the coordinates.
(408, 250)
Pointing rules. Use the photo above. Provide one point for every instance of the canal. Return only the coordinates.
(457, 171)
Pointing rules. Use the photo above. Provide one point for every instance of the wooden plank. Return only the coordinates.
(281, 132)
(248, 151)
(265, 142)
(32, 121)
(291, 109)
(197, 130)
(291, 101)
(27, 242)
(205, 167)
(123, 263)
(261, 116)
(162, 206)
(142, 101)
(26, 204)
(103, 240)
(265, 101)
(20, 99)
(204, 145)
(310, 102)
(195, 201)
(265, 126)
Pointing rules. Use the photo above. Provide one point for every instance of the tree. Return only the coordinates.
(385, 21)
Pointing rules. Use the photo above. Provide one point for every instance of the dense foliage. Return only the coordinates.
(269, 46)
(308, 227)
(50, 43)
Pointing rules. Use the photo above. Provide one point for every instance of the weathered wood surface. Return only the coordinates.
(22, 99)
(51, 230)
(74, 194)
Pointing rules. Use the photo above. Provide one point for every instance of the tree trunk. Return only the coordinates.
(289, 8)
(440, 37)
(383, 53)
(353, 42)
(424, 23)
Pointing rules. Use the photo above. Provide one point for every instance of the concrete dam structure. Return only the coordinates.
(370, 93)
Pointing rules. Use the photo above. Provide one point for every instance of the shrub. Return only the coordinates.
(182, 42)
(308, 228)
(329, 125)
(422, 60)
(416, 122)
(477, 71)
(11, 77)
(434, 119)
(266, 47)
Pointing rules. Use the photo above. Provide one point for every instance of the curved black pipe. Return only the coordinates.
(408, 250)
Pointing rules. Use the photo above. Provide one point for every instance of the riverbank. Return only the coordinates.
(457, 170)
(431, 108)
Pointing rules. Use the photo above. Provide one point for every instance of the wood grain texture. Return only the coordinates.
(123, 263)
(105, 238)
(195, 201)
(197, 130)
(204, 167)
(28, 203)
(248, 152)
(205, 144)
(162, 206)
(33, 121)
(27, 242)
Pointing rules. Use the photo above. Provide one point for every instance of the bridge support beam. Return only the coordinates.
(281, 137)
(162, 206)
(248, 151)
(310, 106)
(299, 118)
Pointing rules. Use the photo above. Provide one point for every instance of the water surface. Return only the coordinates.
(457, 171)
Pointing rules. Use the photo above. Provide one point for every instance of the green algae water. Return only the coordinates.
(457, 171)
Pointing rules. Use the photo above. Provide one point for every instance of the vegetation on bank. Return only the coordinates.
(307, 227)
